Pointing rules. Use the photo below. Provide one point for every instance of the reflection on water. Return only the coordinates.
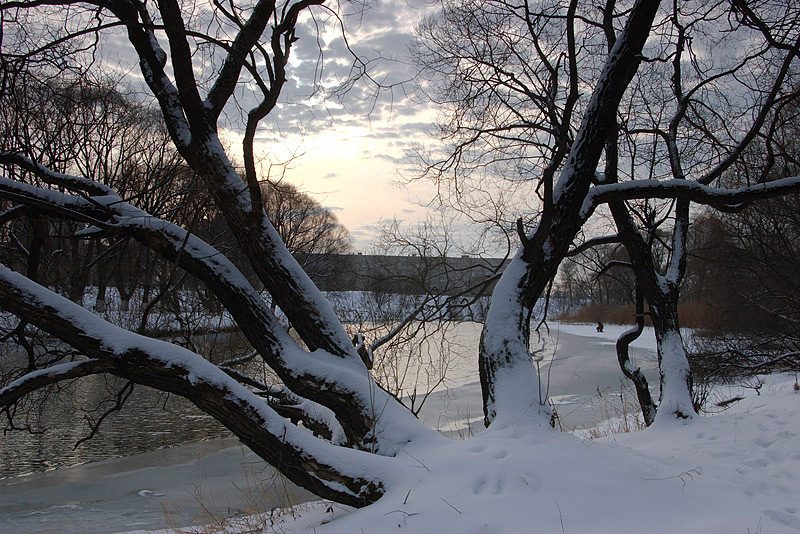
(150, 420)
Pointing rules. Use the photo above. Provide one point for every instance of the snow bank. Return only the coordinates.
(734, 472)
(728, 473)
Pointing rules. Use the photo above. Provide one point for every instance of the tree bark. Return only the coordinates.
(635, 374)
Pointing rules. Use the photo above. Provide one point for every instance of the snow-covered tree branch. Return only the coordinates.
(691, 190)
(544, 111)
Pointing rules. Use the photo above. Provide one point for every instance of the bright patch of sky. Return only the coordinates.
(349, 150)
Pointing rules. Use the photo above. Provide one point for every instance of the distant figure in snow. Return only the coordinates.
(599, 326)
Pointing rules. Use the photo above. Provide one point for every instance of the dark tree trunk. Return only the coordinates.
(635, 374)
(661, 293)
(504, 358)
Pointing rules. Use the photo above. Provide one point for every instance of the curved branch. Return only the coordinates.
(614, 263)
(594, 242)
(635, 374)
(315, 417)
(49, 176)
(320, 420)
(44, 377)
(721, 199)
(344, 475)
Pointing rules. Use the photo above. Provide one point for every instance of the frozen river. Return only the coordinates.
(198, 482)
(579, 373)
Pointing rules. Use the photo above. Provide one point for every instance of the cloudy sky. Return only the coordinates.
(349, 152)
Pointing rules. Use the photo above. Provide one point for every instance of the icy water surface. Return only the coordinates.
(149, 421)
(578, 367)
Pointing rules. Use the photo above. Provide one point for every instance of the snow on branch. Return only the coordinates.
(171, 241)
(593, 242)
(346, 475)
(721, 199)
(72, 183)
(44, 377)
(54, 202)
(612, 264)
(317, 418)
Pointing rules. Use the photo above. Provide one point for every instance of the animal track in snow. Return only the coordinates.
(494, 484)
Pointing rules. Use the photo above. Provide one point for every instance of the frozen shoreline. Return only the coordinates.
(174, 486)
(152, 490)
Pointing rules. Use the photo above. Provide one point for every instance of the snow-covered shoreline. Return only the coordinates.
(732, 472)
(738, 471)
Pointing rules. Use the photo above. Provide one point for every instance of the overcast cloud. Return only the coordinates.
(346, 149)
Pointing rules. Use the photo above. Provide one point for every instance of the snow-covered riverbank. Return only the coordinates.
(736, 472)
(732, 472)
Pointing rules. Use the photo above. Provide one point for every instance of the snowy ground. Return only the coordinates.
(735, 472)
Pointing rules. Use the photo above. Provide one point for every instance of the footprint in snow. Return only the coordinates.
(497, 485)
(784, 518)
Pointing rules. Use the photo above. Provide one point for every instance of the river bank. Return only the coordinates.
(201, 482)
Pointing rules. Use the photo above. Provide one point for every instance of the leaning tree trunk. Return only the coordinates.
(360, 414)
(344, 475)
(633, 373)
(508, 378)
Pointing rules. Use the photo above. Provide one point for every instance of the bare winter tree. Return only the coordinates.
(509, 78)
(310, 231)
(359, 427)
(695, 141)
(253, 45)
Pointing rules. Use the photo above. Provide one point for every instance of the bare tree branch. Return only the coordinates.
(721, 199)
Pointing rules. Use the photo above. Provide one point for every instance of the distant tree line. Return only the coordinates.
(99, 129)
